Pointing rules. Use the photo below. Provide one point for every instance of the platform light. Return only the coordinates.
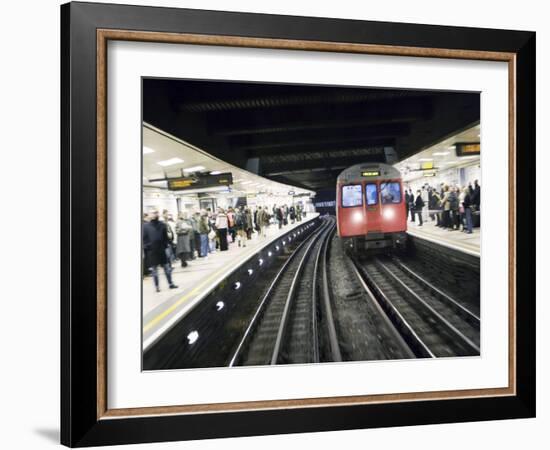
(277, 247)
(269, 253)
(260, 261)
(284, 243)
(220, 305)
(237, 285)
(147, 150)
(194, 169)
(452, 147)
(192, 337)
(425, 159)
(246, 182)
(250, 271)
(170, 162)
(440, 153)
(215, 172)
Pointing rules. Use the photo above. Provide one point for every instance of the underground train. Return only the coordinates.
(370, 207)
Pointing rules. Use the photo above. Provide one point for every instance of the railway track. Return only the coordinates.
(431, 322)
(284, 328)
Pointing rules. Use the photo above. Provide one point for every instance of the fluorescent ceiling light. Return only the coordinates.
(147, 150)
(425, 159)
(215, 172)
(170, 162)
(440, 153)
(194, 169)
(246, 182)
(451, 147)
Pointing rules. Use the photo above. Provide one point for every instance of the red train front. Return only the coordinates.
(370, 207)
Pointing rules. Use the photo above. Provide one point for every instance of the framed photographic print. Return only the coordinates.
(273, 224)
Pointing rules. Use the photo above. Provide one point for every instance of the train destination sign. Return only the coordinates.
(370, 173)
(467, 148)
(200, 181)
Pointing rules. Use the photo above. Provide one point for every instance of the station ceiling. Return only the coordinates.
(304, 135)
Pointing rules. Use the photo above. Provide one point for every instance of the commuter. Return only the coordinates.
(292, 213)
(285, 215)
(299, 212)
(204, 229)
(453, 208)
(248, 222)
(240, 225)
(195, 220)
(446, 204)
(476, 197)
(419, 206)
(466, 204)
(461, 212)
(437, 207)
(425, 199)
(155, 242)
(411, 204)
(407, 200)
(184, 230)
(279, 216)
(231, 223)
(262, 220)
(172, 238)
(221, 228)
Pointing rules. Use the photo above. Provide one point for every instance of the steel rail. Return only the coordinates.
(253, 322)
(418, 346)
(455, 305)
(432, 311)
(291, 291)
(331, 328)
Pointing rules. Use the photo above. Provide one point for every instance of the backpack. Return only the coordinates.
(239, 219)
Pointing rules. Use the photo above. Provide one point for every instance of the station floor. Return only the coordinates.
(468, 243)
(162, 309)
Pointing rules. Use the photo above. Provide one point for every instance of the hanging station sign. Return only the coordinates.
(467, 148)
(200, 181)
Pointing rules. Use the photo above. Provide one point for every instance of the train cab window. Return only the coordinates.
(390, 192)
(371, 194)
(352, 195)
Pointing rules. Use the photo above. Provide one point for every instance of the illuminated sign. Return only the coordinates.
(430, 173)
(427, 165)
(370, 173)
(467, 148)
(200, 181)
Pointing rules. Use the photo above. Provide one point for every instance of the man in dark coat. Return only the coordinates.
(418, 205)
(155, 242)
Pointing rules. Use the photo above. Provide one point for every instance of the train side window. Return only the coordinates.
(390, 192)
(352, 195)
(371, 193)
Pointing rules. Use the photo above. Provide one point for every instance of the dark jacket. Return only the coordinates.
(155, 241)
(419, 203)
(467, 201)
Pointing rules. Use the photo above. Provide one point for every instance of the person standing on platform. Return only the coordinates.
(240, 224)
(299, 212)
(446, 215)
(407, 201)
(231, 223)
(292, 213)
(155, 242)
(476, 197)
(204, 229)
(453, 208)
(466, 204)
(221, 227)
(184, 230)
(248, 223)
(279, 215)
(262, 218)
(419, 206)
(411, 204)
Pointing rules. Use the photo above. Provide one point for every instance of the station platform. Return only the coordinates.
(162, 309)
(457, 240)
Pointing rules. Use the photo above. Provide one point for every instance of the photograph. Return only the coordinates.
(308, 224)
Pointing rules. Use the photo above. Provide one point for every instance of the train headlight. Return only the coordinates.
(388, 213)
(357, 217)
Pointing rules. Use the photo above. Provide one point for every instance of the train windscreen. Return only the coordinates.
(352, 195)
(390, 192)
(371, 193)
